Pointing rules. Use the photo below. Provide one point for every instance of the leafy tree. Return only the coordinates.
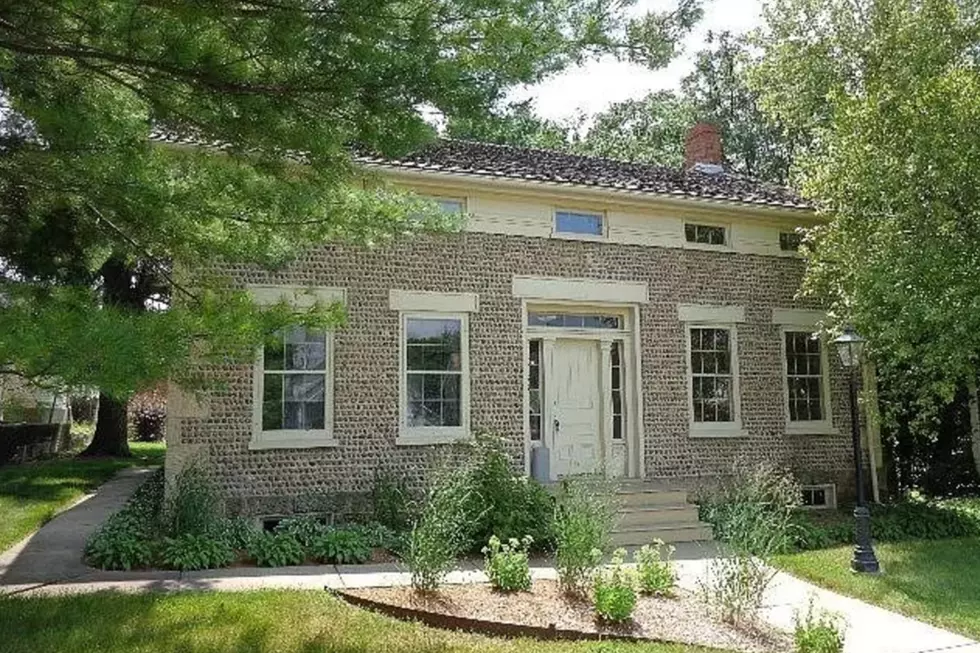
(111, 243)
(652, 129)
(891, 91)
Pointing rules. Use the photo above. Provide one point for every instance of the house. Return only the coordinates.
(602, 316)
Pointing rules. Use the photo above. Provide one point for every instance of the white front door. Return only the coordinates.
(576, 399)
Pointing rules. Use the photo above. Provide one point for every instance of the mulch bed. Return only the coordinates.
(681, 618)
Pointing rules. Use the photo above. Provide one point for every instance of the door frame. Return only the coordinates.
(631, 363)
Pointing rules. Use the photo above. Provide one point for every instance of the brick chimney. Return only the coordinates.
(703, 145)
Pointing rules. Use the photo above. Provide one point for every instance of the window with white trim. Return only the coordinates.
(805, 377)
(618, 404)
(450, 204)
(712, 375)
(579, 223)
(819, 496)
(435, 376)
(535, 383)
(705, 234)
(294, 381)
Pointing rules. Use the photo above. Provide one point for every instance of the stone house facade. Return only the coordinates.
(602, 317)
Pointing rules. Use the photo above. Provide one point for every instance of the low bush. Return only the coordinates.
(188, 552)
(124, 541)
(753, 512)
(149, 422)
(275, 550)
(305, 528)
(193, 504)
(614, 591)
(502, 502)
(379, 536)
(342, 546)
(734, 587)
(121, 543)
(440, 535)
(236, 532)
(582, 525)
(392, 504)
(818, 631)
(654, 570)
(915, 518)
(506, 564)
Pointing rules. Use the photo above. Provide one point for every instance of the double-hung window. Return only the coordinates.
(292, 395)
(807, 382)
(434, 352)
(712, 369)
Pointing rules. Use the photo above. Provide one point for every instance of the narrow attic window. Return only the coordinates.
(450, 205)
(705, 234)
(579, 223)
(790, 241)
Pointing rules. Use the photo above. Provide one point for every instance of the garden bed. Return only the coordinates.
(546, 613)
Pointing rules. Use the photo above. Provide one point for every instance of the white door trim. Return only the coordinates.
(631, 370)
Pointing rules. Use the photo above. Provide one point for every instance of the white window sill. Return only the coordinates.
(292, 440)
(572, 236)
(718, 430)
(811, 428)
(424, 437)
(705, 247)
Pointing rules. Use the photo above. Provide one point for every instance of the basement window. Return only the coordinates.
(790, 241)
(705, 234)
(820, 497)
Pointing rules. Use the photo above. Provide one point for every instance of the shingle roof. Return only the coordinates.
(485, 159)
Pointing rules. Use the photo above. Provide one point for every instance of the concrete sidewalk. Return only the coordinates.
(50, 563)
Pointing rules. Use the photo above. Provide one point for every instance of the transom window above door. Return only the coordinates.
(579, 223)
(574, 320)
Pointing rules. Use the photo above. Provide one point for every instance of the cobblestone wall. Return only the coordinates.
(367, 351)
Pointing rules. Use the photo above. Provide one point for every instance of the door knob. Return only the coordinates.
(557, 425)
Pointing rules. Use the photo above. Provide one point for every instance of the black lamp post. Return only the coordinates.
(849, 347)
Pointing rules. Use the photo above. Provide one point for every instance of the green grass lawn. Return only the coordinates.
(936, 581)
(32, 493)
(256, 622)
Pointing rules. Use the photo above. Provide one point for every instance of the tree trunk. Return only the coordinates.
(111, 437)
(971, 387)
(111, 430)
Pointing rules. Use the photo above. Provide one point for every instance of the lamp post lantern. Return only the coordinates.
(849, 348)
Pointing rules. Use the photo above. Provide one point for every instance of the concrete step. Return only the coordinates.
(648, 498)
(677, 532)
(648, 516)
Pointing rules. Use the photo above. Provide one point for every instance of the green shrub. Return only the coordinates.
(753, 513)
(818, 631)
(236, 532)
(439, 535)
(507, 565)
(122, 542)
(193, 504)
(342, 546)
(305, 528)
(582, 525)
(502, 502)
(188, 552)
(275, 550)
(614, 591)
(915, 518)
(655, 573)
(734, 587)
(391, 502)
(379, 536)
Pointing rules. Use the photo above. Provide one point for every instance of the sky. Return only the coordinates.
(593, 87)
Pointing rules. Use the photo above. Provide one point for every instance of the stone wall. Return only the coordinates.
(367, 353)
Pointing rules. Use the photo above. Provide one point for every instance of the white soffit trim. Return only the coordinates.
(708, 314)
(298, 296)
(438, 302)
(798, 317)
(581, 290)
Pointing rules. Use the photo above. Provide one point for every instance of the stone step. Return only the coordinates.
(669, 533)
(647, 516)
(649, 498)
